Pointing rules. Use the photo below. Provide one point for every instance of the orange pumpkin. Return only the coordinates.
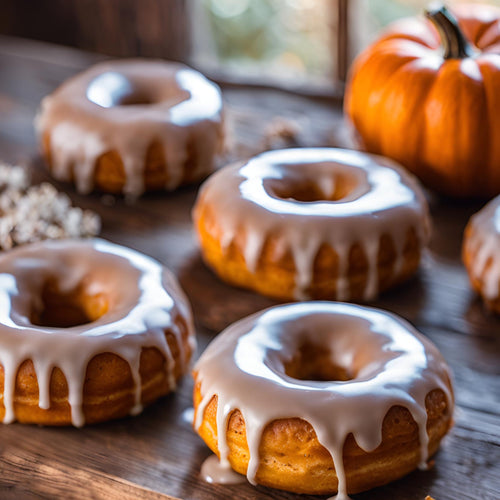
(427, 94)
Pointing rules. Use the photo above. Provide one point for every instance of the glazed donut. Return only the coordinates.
(319, 397)
(89, 331)
(312, 223)
(132, 125)
(481, 253)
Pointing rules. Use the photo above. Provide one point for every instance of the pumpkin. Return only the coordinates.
(427, 94)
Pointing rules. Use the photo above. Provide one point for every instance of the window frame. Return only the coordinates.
(338, 18)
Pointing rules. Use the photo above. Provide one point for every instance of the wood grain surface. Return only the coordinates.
(157, 454)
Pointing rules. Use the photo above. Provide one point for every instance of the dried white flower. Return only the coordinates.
(34, 213)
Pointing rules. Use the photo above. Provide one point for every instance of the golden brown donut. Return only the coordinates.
(132, 125)
(89, 331)
(312, 223)
(481, 254)
(338, 398)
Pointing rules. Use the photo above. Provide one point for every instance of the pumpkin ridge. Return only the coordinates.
(484, 34)
(484, 67)
(387, 87)
(417, 78)
(473, 17)
(420, 165)
(480, 178)
(377, 111)
(482, 31)
(396, 47)
(398, 33)
(358, 110)
(457, 85)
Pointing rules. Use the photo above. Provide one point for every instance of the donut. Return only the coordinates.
(132, 125)
(319, 397)
(89, 331)
(480, 253)
(312, 223)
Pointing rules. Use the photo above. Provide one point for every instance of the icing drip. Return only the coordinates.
(213, 471)
(483, 243)
(258, 197)
(125, 106)
(187, 416)
(144, 299)
(393, 365)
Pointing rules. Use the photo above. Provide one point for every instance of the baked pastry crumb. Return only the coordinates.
(39, 212)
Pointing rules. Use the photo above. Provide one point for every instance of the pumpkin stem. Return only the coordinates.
(453, 40)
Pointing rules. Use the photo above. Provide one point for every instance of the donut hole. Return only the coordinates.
(134, 99)
(65, 309)
(114, 89)
(314, 362)
(334, 187)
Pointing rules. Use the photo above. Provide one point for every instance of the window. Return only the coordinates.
(291, 43)
(298, 44)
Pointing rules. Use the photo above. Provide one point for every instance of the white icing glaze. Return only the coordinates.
(484, 243)
(145, 299)
(213, 472)
(88, 116)
(393, 365)
(383, 199)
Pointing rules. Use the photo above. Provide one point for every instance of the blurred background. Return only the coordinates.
(302, 45)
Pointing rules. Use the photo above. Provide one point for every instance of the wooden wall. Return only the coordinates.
(155, 28)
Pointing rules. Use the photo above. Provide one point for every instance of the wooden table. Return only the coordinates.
(157, 454)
